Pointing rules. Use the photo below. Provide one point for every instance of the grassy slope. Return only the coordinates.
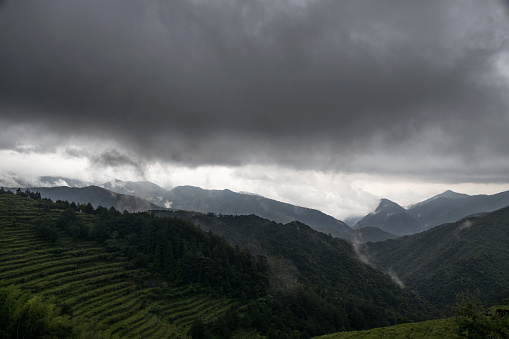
(88, 281)
(440, 328)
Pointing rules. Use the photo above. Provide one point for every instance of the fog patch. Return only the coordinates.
(466, 224)
(358, 244)
(463, 226)
(114, 183)
(53, 183)
(167, 204)
(395, 278)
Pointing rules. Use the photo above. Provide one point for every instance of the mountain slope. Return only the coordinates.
(370, 234)
(97, 196)
(298, 255)
(228, 202)
(471, 254)
(446, 208)
(390, 217)
(141, 189)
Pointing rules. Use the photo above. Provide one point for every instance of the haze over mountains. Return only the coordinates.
(388, 221)
(440, 209)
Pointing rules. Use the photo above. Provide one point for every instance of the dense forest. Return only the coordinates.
(317, 280)
(468, 255)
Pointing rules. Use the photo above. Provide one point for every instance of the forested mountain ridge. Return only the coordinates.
(369, 234)
(96, 196)
(446, 207)
(150, 196)
(228, 202)
(471, 254)
(299, 255)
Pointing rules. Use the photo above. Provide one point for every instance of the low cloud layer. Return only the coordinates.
(417, 89)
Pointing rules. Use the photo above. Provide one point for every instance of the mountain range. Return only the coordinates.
(228, 202)
(440, 209)
(388, 221)
(309, 268)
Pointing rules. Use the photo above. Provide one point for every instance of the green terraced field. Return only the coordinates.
(88, 282)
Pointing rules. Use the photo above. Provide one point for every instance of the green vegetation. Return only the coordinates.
(439, 328)
(471, 320)
(26, 316)
(471, 254)
(76, 278)
(136, 275)
(318, 285)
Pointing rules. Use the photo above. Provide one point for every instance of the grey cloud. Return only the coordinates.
(312, 85)
(114, 158)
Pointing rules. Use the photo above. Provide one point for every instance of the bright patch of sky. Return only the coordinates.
(340, 195)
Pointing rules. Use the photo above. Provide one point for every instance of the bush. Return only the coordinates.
(473, 321)
(25, 316)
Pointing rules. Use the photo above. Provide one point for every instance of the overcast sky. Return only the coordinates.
(322, 103)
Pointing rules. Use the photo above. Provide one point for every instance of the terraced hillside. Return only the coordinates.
(88, 281)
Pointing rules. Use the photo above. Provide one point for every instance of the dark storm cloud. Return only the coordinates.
(115, 158)
(300, 83)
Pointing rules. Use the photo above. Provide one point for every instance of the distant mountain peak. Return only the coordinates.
(391, 218)
(451, 195)
(388, 206)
